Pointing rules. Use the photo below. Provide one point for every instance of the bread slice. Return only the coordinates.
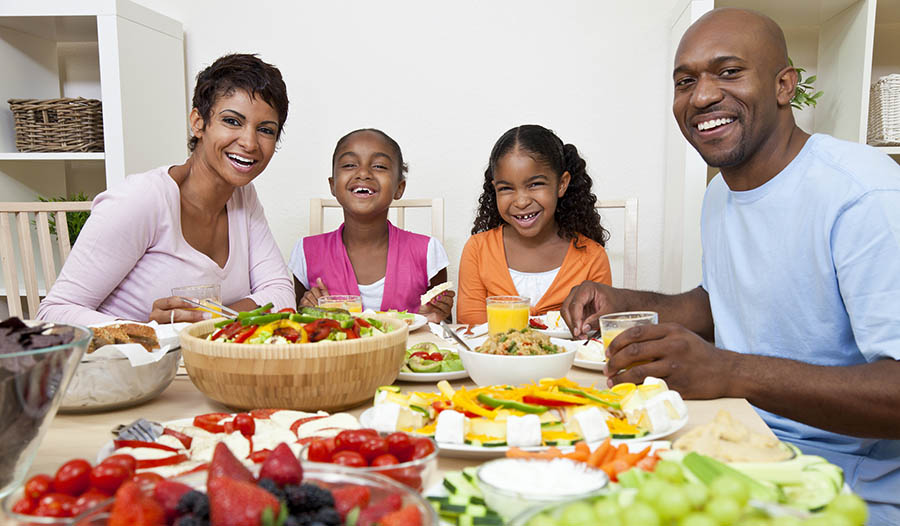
(124, 333)
(437, 289)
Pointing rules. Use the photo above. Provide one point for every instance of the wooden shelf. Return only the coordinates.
(63, 156)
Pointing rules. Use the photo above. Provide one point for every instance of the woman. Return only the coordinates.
(191, 224)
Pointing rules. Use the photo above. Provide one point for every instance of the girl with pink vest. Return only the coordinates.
(367, 256)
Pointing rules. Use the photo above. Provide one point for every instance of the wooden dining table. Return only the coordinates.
(83, 435)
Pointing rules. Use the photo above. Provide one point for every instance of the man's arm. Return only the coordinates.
(590, 300)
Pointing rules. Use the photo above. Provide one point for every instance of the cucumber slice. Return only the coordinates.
(813, 494)
(488, 520)
(486, 443)
(428, 347)
(388, 388)
(562, 442)
(458, 484)
(418, 365)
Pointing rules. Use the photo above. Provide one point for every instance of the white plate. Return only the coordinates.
(108, 448)
(561, 332)
(476, 452)
(418, 322)
(589, 364)
(432, 377)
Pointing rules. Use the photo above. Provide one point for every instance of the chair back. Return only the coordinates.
(317, 208)
(20, 215)
(629, 208)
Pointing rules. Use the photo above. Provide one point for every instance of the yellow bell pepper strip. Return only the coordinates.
(461, 400)
(511, 404)
(277, 328)
(579, 392)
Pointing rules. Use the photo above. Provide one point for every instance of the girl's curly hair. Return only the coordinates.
(575, 212)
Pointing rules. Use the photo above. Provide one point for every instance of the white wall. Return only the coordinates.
(446, 80)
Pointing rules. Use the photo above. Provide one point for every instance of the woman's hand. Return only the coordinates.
(311, 297)
(174, 309)
(439, 308)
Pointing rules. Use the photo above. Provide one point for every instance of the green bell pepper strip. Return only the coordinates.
(579, 392)
(255, 312)
(303, 318)
(226, 321)
(264, 319)
(511, 404)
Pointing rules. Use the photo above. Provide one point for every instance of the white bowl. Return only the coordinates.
(496, 369)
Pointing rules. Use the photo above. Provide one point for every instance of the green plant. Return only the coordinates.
(805, 94)
(75, 220)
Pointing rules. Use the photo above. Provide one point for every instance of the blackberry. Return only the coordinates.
(195, 503)
(190, 520)
(328, 516)
(297, 520)
(307, 497)
(270, 486)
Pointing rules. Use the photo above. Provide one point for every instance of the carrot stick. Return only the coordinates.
(608, 455)
(582, 447)
(596, 457)
(515, 452)
(634, 458)
(621, 451)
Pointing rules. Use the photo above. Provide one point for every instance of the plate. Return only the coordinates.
(108, 448)
(478, 452)
(589, 364)
(418, 322)
(553, 332)
(432, 377)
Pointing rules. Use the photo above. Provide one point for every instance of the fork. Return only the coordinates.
(140, 429)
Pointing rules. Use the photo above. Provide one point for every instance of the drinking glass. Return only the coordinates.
(201, 294)
(507, 312)
(341, 301)
(611, 325)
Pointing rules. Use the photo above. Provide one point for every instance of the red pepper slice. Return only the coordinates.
(210, 422)
(246, 333)
(436, 357)
(263, 414)
(288, 310)
(228, 331)
(142, 443)
(296, 425)
(536, 323)
(421, 354)
(258, 457)
(351, 333)
(184, 439)
(537, 400)
(201, 467)
(156, 462)
(362, 322)
(287, 333)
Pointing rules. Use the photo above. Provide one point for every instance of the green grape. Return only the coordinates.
(850, 506)
(578, 514)
(651, 490)
(786, 520)
(754, 521)
(640, 514)
(726, 486)
(837, 519)
(725, 510)
(669, 470)
(542, 520)
(826, 519)
(673, 503)
(608, 512)
(697, 494)
(698, 519)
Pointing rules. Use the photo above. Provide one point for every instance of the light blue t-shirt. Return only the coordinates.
(807, 267)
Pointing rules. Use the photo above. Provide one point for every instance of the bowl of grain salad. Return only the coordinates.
(516, 357)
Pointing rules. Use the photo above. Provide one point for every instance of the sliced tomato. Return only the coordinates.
(289, 334)
(210, 422)
(422, 354)
(258, 457)
(184, 439)
(297, 423)
(536, 323)
(288, 310)
(436, 357)
(156, 462)
(263, 414)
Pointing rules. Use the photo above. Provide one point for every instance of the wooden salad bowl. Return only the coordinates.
(327, 375)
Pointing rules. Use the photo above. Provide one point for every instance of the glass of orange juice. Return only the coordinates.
(341, 301)
(507, 312)
(201, 294)
(611, 325)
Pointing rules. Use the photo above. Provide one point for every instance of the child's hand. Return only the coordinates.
(311, 297)
(439, 308)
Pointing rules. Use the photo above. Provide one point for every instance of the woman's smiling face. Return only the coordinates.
(527, 191)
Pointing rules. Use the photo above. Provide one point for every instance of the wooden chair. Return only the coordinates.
(317, 213)
(629, 236)
(21, 212)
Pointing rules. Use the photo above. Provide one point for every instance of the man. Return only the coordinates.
(801, 267)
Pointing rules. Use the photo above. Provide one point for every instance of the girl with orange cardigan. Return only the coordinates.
(537, 233)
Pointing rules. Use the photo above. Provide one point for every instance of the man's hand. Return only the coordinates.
(311, 297)
(688, 363)
(584, 304)
(174, 309)
(439, 308)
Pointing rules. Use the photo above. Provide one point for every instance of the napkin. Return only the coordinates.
(137, 355)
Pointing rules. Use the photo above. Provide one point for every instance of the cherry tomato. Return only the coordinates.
(410, 476)
(55, 505)
(350, 440)
(210, 422)
(146, 480)
(38, 486)
(349, 458)
(385, 460)
(244, 423)
(88, 500)
(373, 447)
(108, 477)
(126, 461)
(25, 506)
(72, 478)
(400, 446)
(321, 450)
(422, 447)
(436, 357)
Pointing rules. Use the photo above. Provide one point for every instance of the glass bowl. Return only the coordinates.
(31, 387)
(414, 474)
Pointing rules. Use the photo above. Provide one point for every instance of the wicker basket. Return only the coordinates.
(884, 112)
(328, 375)
(58, 125)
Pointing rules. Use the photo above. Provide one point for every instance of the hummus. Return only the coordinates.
(729, 441)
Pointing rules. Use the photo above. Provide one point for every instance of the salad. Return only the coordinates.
(426, 357)
(310, 325)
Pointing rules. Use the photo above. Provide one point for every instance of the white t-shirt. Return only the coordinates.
(533, 285)
(372, 294)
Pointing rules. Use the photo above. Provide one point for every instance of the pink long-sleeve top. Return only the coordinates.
(131, 252)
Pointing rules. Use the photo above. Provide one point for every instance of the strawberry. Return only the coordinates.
(239, 503)
(225, 464)
(371, 515)
(133, 508)
(407, 516)
(348, 497)
(167, 493)
(282, 466)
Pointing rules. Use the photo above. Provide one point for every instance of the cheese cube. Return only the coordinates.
(451, 427)
(593, 424)
(652, 380)
(523, 431)
(385, 416)
(632, 401)
(674, 404)
(657, 415)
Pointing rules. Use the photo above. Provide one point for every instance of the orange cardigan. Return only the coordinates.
(483, 272)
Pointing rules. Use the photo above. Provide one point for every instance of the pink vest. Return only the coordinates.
(406, 274)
